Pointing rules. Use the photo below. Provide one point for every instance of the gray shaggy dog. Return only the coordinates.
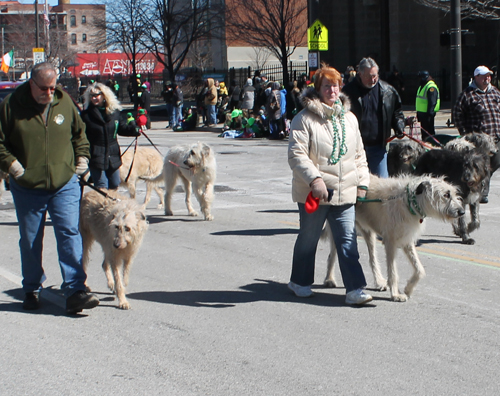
(397, 215)
(195, 166)
(118, 224)
(402, 157)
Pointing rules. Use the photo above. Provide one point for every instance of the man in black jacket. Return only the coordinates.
(377, 106)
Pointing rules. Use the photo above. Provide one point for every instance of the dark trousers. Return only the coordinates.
(426, 123)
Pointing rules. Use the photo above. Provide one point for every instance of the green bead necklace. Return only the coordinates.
(334, 159)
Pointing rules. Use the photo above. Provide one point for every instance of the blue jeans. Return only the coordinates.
(212, 117)
(176, 118)
(109, 179)
(63, 206)
(342, 223)
(376, 156)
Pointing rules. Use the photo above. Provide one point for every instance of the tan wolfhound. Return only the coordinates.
(118, 226)
(195, 165)
(396, 215)
(147, 166)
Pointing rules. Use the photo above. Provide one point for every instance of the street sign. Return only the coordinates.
(317, 37)
(313, 60)
(38, 55)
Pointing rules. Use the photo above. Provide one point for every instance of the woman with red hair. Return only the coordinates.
(325, 151)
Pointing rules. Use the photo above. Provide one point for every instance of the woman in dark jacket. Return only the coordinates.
(102, 117)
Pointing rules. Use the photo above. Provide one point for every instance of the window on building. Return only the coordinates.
(84, 19)
(84, 38)
(73, 38)
(72, 21)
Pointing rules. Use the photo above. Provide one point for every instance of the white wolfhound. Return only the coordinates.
(194, 165)
(147, 165)
(396, 214)
(118, 225)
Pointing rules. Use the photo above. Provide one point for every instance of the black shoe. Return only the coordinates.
(81, 300)
(484, 200)
(31, 301)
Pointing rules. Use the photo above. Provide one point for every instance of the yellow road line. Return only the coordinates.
(441, 252)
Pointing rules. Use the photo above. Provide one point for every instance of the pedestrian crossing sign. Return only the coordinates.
(317, 37)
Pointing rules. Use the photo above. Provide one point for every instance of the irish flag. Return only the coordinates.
(7, 61)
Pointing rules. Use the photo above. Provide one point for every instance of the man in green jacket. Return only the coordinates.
(42, 146)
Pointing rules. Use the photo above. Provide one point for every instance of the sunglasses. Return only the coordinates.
(51, 89)
(95, 95)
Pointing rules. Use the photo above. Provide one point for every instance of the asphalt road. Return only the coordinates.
(211, 314)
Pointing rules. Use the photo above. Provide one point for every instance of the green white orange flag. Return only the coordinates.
(7, 61)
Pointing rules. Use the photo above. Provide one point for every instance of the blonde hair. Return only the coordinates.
(111, 103)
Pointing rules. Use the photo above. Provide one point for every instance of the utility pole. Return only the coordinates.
(455, 51)
(37, 42)
(312, 15)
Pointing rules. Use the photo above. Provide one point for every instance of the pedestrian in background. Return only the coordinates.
(478, 110)
(377, 106)
(43, 179)
(247, 97)
(427, 103)
(210, 102)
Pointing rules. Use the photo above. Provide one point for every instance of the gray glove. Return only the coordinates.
(16, 170)
(82, 166)
(319, 190)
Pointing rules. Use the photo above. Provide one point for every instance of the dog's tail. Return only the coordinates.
(153, 178)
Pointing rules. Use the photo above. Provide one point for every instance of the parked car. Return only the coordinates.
(7, 87)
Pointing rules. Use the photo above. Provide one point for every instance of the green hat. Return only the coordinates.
(236, 113)
(142, 111)
(129, 115)
(251, 121)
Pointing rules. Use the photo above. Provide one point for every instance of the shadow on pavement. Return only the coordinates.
(263, 290)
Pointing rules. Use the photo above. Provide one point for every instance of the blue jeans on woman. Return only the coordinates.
(342, 224)
(63, 206)
(109, 179)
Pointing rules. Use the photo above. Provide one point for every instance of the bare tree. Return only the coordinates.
(260, 57)
(482, 9)
(127, 24)
(178, 26)
(278, 25)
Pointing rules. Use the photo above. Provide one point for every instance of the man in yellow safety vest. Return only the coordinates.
(427, 103)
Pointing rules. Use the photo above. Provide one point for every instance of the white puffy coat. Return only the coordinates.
(310, 147)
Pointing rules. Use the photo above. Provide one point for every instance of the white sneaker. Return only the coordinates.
(357, 297)
(300, 291)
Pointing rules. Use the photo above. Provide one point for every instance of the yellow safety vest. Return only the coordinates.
(421, 101)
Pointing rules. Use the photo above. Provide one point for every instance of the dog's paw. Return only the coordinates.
(468, 241)
(124, 305)
(209, 217)
(381, 285)
(399, 298)
(330, 283)
(160, 206)
(193, 213)
(87, 289)
(169, 213)
(111, 286)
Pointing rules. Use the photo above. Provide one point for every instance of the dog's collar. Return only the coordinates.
(413, 205)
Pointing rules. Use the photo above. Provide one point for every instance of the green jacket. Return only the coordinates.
(47, 152)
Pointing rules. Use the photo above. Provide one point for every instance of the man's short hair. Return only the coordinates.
(367, 63)
(41, 68)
